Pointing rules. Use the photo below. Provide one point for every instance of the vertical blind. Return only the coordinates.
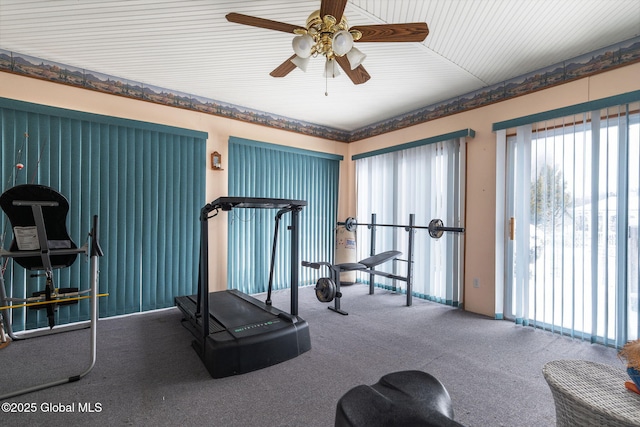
(574, 262)
(259, 169)
(426, 180)
(144, 181)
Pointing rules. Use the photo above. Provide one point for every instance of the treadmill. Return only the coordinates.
(234, 332)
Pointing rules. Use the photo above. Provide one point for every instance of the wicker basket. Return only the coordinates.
(591, 394)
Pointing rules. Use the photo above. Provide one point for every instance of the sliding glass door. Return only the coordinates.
(573, 187)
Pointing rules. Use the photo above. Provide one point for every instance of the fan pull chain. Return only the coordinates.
(326, 85)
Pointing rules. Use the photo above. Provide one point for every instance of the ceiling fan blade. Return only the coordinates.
(357, 76)
(409, 32)
(285, 68)
(334, 8)
(239, 18)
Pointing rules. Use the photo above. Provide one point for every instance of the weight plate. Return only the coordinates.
(325, 289)
(350, 224)
(434, 228)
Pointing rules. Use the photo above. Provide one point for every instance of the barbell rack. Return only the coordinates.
(435, 228)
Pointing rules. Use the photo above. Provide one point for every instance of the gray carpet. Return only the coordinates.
(147, 374)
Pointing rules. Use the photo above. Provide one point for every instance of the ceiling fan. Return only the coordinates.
(327, 33)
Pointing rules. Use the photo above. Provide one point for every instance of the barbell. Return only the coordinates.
(53, 301)
(436, 227)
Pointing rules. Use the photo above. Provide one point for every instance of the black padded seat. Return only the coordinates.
(370, 262)
(380, 258)
(405, 398)
(351, 266)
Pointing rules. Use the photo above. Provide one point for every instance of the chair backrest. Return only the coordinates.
(21, 204)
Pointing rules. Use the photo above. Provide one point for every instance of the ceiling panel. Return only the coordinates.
(188, 46)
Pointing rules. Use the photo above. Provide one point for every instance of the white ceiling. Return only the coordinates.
(188, 46)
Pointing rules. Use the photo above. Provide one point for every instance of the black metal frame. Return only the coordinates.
(435, 231)
(409, 278)
(227, 204)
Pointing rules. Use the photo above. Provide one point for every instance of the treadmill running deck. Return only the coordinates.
(245, 334)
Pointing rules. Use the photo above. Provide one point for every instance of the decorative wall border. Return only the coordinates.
(617, 55)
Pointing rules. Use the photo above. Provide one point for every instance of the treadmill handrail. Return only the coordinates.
(228, 203)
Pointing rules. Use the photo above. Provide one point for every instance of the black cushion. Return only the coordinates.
(351, 266)
(406, 398)
(380, 258)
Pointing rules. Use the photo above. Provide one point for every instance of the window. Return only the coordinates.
(425, 178)
(144, 181)
(573, 187)
(259, 169)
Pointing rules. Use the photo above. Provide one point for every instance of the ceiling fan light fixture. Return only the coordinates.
(327, 33)
(302, 45)
(301, 62)
(355, 58)
(342, 42)
(330, 69)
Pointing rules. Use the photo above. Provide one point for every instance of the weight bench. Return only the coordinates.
(41, 243)
(328, 288)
